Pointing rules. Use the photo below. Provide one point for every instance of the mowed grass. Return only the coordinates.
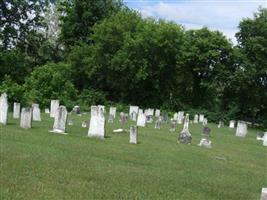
(36, 164)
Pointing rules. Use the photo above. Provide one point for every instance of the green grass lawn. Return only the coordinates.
(36, 164)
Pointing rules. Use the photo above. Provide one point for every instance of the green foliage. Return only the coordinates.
(51, 81)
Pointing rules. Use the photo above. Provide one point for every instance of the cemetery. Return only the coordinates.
(133, 99)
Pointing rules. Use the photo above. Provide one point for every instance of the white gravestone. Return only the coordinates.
(201, 118)
(103, 108)
(97, 123)
(53, 107)
(141, 120)
(205, 121)
(175, 117)
(221, 124)
(47, 111)
(150, 112)
(112, 111)
(133, 134)
(241, 129)
(157, 113)
(134, 116)
(16, 110)
(26, 118)
(232, 124)
(180, 117)
(158, 123)
(263, 194)
(60, 120)
(265, 139)
(84, 124)
(3, 109)
(195, 119)
(140, 111)
(36, 114)
(133, 109)
(185, 136)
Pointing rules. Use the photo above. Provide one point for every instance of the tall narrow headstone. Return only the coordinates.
(195, 119)
(133, 134)
(205, 121)
(60, 120)
(185, 136)
(232, 124)
(180, 117)
(265, 139)
(134, 116)
(26, 118)
(123, 119)
(241, 130)
(53, 107)
(36, 114)
(112, 111)
(16, 110)
(173, 125)
(201, 118)
(3, 108)
(158, 123)
(97, 123)
(175, 116)
(165, 117)
(141, 120)
(157, 113)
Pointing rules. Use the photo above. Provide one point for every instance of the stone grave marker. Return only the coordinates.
(201, 118)
(158, 123)
(205, 121)
(141, 120)
(26, 118)
(133, 134)
(133, 109)
(157, 113)
(36, 113)
(97, 123)
(241, 130)
(165, 117)
(3, 108)
(221, 124)
(60, 120)
(112, 111)
(263, 194)
(265, 139)
(110, 118)
(185, 136)
(173, 125)
(180, 117)
(84, 124)
(232, 124)
(16, 110)
(47, 110)
(195, 119)
(54, 107)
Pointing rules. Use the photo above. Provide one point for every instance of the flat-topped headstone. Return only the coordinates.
(263, 194)
(158, 123)
(185, 136)
(26, 118)
(47, 110)
(141, 120)
(133, 109)
(157, 113)
(133, 134)
(232, 124)
(201, 118)
(97, 123)
(16, 110)
(60, 120)
(241, 129)
(180, 117)
(3, 108)
(36, 114)
(195, 119)
(53, 107)
(112, 111)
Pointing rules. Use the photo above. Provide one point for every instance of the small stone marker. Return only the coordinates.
(205, 121)
(232, 124)
(260, 136)
(149, 119)
(195, 119)
(53, 107)
(141, 120)
(201, 118)
(112, 111)
(221, 124)
(241, 130)
(133, 134)
(16, 110)
(158, 123)
(173, 125)
(175, 116)
(60, 120)
(26, 118)
(97, 122)
(3, 108)
(205, 141)
(47, 111)
(36, 115)
(263, 194)
(185, 136)
(84, 124)
(157, 113)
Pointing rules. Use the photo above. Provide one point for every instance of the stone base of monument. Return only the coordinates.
(58, 131)
(205, 143)
(96, 136)
(185, 138)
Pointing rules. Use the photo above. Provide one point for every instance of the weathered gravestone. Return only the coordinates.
(26, 118)
(123, 118)
(110, 118)
(180, 117)
(149, 119)
(133, 109)
(16, 110)
(232, 124)
(263, 194)
(60, 120)
(205, 141)
(241, 130)
(265, 139)
(97, 123)
(47, 110)
(36, 114)
(134, 116)
(141, 120)
(173, 125)
(221, 124)
(165, 117)
(175, 117)
(158, 123)
(76, 109)
(133, 134)
(205, 121)
(157, 113)
(195, 119)
(150, 112)
(70, 121)
(84, 124)
(3, 108)
(185, 136)
(201, 118)
(54, 107)
(112, 111)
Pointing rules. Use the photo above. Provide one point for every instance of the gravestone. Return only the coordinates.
(205, 142)
(165, 117)
(36, 115)
(205, 121)
(175, 117)
(70, 122)
(158, 123)
(110, 118)
(150, 112)
(76, 109)
(16, 110)
(180, 117)
(173, 125)
(232, 124)
(54, 107)
(97, 123)
(263, 194)
(103, 108)
(134, 116)
(221, 124)
(3, 108)
(60, 120)
(149, 119)
(47, 110)
(141, 120)
(140, 111)
(201, 118)
(112, 111)
(157, 113)
(84, 124)
(185, 136)
(133, 134)
(241, 130)
(195, 119)
(123, 119)
(260, 136)
(133, 109)
(26, 118)
(265, 139)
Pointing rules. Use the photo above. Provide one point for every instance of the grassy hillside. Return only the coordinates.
(36, 164)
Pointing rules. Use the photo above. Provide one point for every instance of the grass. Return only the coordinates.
(36, 164)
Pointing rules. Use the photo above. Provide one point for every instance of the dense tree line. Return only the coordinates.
(85, 52)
